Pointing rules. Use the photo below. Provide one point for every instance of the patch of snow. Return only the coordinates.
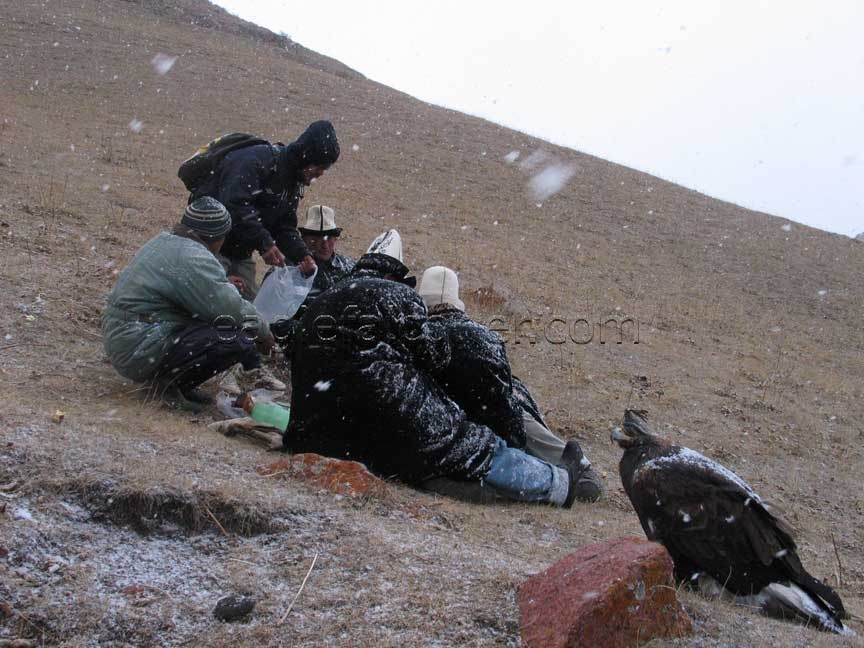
(22, 513)
(787, 227)
(511, 157)
(136, 125)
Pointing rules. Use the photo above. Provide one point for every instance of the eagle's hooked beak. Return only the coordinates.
(632, 430)
(617, 435)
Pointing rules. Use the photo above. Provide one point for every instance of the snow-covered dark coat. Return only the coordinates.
(329, 273)
(362, 385)
(478, 376)
(261, 187)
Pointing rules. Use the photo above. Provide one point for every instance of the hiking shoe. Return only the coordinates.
(585, 484)
(230, 382)
(263, 378)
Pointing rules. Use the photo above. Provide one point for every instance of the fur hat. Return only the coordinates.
(320, 221)
(440, 285)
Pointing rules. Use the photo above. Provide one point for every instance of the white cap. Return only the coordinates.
(320, 219)
(440, 285)
(389, 243)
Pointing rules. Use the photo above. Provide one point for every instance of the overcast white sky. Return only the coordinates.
(757, 102)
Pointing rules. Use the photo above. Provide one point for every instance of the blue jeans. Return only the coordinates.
(519, 476)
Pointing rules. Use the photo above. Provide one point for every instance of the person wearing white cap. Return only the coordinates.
(173, 319)
(363, 388)
(478, 377)
(321, 236)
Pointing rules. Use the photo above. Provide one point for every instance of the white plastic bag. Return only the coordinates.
(283, 292)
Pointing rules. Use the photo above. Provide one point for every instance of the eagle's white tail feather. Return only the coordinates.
(777, 600)
(782, 600)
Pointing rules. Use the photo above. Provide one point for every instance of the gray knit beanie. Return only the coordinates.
(208, 217)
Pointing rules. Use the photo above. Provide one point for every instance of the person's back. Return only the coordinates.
(157, 294)
(361, 343)
(478, 375)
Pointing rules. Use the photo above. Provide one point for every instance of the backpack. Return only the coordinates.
(195, 171)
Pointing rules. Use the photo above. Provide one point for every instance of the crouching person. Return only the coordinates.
(363, 390)
(173, 320)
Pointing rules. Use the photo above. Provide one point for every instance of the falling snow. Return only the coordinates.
(551, 180)
(323, 385)
(163, 63)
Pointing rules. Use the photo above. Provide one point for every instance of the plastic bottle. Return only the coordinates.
(272, 414)
(268, 413)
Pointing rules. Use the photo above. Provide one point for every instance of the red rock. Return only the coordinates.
(336, 475)
(617, 593)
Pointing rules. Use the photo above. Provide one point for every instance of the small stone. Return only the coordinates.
(58, 416)
(233, 607)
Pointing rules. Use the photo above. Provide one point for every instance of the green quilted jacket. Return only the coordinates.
(173, 282)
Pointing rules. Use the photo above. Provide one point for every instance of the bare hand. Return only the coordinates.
(307, 266)
(238, 283)
(274, 257)
(265, 344)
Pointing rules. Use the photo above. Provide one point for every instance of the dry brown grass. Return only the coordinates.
(739, 356)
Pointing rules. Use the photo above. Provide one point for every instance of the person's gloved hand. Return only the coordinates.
(274, 256)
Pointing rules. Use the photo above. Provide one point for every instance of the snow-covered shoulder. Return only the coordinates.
(685, 457)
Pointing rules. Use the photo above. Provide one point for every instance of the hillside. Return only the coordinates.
(751, 350)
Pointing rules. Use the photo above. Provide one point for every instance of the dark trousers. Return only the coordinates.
(199, 352)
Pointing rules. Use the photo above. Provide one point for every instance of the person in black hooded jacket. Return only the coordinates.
(261, 187)
(362, 389)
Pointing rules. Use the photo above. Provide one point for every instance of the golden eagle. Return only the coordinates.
(723, 538)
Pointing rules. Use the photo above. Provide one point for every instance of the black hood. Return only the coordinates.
(374, 264)
(317, 145)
